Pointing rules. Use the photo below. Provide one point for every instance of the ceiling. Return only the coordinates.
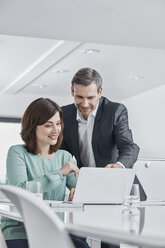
(44, 42)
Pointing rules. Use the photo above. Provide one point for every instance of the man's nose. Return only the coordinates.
(84, 102)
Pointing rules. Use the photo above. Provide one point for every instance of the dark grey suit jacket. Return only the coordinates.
(111, 140)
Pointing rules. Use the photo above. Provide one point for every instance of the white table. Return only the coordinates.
(143, 225)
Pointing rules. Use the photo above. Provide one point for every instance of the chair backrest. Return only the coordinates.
(151, 175)
(2, 240)
(43, 227)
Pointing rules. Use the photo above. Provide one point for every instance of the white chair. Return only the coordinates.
(151, 175)
(2, 241)
(43, 227)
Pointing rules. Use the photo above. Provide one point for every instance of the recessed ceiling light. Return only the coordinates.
(60, 71)
(40, 86)
(135, 77)
(90, 51)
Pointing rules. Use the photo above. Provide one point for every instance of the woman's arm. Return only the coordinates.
(71, 179)
(16, 167)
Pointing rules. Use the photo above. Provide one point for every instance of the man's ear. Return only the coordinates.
(100, 92)
(72, 90)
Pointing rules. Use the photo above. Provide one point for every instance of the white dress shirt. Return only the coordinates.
(85, 130)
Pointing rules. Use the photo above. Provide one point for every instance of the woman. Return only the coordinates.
(40, 160)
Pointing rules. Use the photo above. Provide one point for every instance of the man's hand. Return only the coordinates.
(72, 191)
(117, 165)
(68, 168)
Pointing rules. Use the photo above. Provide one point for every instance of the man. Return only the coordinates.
(96, 130)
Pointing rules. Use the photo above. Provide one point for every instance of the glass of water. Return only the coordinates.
(131, 220)
(35, 188)
(134, 197)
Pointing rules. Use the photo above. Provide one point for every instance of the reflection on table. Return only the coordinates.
(143, 221)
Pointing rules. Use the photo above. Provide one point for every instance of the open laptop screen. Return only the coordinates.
(103, 185)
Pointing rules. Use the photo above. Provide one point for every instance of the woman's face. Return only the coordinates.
(47, 134)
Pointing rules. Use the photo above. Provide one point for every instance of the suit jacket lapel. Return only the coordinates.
(95, 133)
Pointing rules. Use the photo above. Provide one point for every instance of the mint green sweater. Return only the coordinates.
(23, 166)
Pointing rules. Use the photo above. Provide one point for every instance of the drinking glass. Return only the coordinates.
(2, 179)
(131, 220)
(2, 182)
(35, 188)
(133, 198)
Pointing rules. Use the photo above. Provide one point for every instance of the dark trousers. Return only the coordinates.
(105, 245)
(22, 243)
(17, 243)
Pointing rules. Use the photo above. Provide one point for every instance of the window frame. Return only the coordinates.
(10, 119)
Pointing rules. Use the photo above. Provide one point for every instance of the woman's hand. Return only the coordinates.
(72, 191)
(68, 168)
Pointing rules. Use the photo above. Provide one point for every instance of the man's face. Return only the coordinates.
(86, 98)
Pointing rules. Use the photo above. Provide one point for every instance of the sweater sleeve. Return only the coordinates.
(51, 181)
(17, 172)
(71, 179)
(16, 168)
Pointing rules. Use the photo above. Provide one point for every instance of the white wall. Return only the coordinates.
(146, 117)
(147, 121)
(15, 105)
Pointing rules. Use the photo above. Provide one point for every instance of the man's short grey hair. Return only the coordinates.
(87, 76)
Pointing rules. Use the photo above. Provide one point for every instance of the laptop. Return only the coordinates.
(103, 185)
(152, 178)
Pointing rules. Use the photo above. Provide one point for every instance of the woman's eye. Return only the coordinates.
(47, 125)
